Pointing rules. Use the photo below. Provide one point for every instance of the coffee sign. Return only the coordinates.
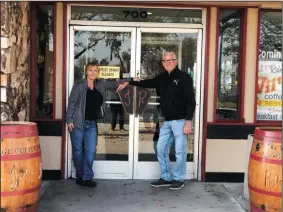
(269, 92)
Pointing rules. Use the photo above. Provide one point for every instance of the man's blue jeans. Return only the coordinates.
(83, 148)
(169, 130)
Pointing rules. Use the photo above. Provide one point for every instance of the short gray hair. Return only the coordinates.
(169, 53)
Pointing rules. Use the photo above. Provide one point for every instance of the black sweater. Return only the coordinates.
(177, 99)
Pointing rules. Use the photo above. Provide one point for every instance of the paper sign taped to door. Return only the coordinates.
(109, 72)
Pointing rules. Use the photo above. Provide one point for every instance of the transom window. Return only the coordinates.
(131, 14)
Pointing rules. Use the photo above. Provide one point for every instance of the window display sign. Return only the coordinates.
(109, 72)
(269, 92)
(269, 84)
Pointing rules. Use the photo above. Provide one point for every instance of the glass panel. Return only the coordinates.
(159, 15)
(269, 93)
(228, 65)
(44, 61)
(112, 50)
(152, 47)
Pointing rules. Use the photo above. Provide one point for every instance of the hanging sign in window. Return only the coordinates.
(109, 72)
(269, 92)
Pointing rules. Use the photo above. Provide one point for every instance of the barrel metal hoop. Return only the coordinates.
(261, 191)
(21, 192)
(267, 139)
(266, 160)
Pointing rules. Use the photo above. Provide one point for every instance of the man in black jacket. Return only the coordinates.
(177, 104)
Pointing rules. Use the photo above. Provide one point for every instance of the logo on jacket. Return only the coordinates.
(176, 81)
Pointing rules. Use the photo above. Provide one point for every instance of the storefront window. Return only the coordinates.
(44, 61)
(269, 84)
(157, 15)
(228, 65)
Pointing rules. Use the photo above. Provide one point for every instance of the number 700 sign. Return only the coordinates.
(135, 14)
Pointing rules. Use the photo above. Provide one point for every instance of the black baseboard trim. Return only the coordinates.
(49, 128)
(226, 177)
(143, 157)
(222, 177)
(109, 157)
(147, 157)
(51, 174)
(229, 131)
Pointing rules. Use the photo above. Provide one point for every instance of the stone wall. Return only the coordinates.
(15, 52)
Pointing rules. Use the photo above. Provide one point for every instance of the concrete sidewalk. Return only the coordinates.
(137, 195)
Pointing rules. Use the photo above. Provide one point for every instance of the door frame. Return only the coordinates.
(155, 27)
(107, 169)
(140, 166)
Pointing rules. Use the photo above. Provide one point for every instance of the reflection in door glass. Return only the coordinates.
(152, 47)
(112, 52)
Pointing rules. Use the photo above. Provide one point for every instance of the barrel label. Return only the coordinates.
(272, 179)
(17, 175)
(19, 151)
(267, 150)
(267, 178)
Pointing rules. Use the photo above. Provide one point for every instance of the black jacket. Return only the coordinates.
(177, 99)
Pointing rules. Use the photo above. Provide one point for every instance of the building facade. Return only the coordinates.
(233, 51)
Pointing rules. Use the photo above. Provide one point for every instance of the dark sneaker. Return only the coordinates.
(176, 185)
(79, 181)
(160, 183)
(89, 183)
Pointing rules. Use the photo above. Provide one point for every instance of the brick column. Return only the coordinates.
(15, 50)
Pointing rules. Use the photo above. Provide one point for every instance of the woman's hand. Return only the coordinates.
(122, 86)
(71, 127)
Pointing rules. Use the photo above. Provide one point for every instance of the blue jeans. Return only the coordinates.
(172, 146)
(169, 130)
(83, 148)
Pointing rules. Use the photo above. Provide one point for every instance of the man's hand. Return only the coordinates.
(71, 127)
(188, 128)
(122, 86)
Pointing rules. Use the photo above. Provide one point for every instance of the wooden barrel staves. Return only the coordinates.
(20, 166)
(265, 170)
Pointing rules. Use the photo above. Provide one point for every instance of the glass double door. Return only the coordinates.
(126, 146)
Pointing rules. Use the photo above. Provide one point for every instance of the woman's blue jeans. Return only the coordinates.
(83, 148)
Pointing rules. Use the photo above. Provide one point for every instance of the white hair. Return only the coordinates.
(169, 53)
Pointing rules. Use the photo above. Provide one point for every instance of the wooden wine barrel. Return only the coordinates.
(20, 166)
(265, 170)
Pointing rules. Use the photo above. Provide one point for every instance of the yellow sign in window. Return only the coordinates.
(269, 103)
(109, 72)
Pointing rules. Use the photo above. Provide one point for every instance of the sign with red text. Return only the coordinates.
(134, 99)
(269, 91)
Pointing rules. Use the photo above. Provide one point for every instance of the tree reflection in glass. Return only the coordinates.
(106, 49)
(228, 64)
